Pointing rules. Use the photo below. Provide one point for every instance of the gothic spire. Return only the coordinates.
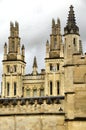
(71, 27)
(35, 62)
(71, 17)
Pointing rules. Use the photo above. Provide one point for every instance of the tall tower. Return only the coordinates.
(74, 67)
(13, 64)
(54, 61)
(72, 47)
(71, 37)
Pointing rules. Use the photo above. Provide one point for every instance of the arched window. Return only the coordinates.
(8, 68)
(55, 43)
(22, 91)
(50, 87)
(34, 92)
(12, 46)
(28, 92)
(57, 66)
(41, 92)
(58, 88)
(15, 68)
(8, 89)
(51, 67)
(74, 42)
(15, 85)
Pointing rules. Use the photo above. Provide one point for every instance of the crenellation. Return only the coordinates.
(32, 105)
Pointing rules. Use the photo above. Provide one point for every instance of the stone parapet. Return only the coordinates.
(35, 105)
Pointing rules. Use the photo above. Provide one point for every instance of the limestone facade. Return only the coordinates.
(56, 97)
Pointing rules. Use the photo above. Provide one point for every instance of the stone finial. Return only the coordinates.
(11, 24)
(58, 22)
(5, 45)
(53, 22)
(71, 27)
(35, 62)
(23, 47)
(47, 43)
(16, 24)
(5, 48)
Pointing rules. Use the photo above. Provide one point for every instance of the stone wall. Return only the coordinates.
(39, 113)
(76, 124)
(29, 122)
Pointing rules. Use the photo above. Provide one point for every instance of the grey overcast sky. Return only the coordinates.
(35, 18)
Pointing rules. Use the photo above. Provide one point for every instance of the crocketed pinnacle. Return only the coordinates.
(71, 27)
(35, 62)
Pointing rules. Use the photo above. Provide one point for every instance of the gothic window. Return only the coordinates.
(8, 89)
(14, 68)
(22, 91)
(57, 66)
(50, 87)
(58, 88)
(74, 42)
(55, 43)
(12, 33)
(8, 68)
(28, 92)
(51, 67)
(12, 46)
(41, 92)
(34, 92)
(15, 88)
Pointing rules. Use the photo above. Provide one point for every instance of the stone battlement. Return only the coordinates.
(35, 105)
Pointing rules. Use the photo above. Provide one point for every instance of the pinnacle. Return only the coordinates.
(71, 26)
(35, 62)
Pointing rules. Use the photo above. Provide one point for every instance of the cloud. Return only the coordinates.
(35, 17)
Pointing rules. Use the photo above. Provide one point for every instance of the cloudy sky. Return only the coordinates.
(35, 17)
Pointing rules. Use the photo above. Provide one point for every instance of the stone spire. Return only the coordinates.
(5, 48)
(34, 72)
(47, 49)
(35, 62)
(71, 27)
(23, 50)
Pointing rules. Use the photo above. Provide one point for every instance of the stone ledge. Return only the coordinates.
(33, 114)
(77, 119)
(32, 100)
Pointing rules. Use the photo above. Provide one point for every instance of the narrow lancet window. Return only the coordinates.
(34, 92)
(50, 87)
(55, 43)
(57, 66)
(41, 92)
(74, 42)
(8, 68)
(14, 68)
(58, 88)
(8, 89)
(15, 88)
(28, 92)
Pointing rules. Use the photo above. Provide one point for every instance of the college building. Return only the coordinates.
(55, 98)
